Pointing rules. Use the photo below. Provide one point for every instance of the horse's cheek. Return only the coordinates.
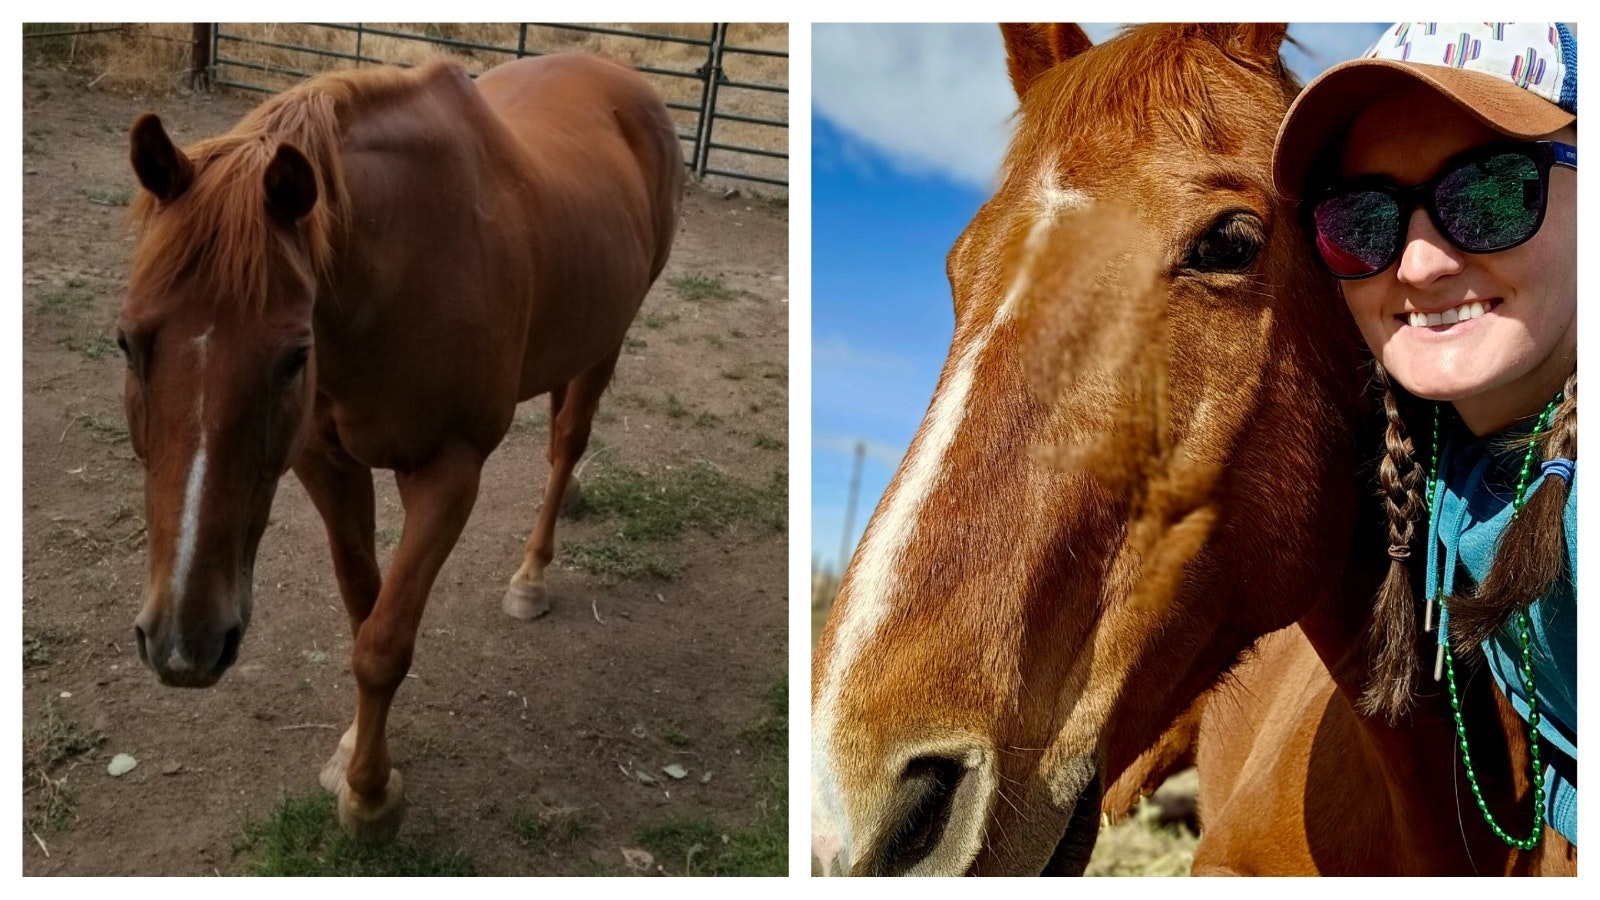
(288, 435)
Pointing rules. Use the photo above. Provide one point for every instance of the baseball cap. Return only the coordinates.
(1520, 79)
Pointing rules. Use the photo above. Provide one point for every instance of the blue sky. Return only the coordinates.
(909, 123)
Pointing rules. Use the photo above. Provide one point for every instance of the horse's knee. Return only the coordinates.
(380, 665)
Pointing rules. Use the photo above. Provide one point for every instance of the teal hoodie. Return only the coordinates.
(1474, 497)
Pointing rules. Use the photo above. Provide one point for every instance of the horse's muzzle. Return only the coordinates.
(191, 657)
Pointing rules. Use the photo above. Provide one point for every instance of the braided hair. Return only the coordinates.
(1531, 556)
(1533, 550)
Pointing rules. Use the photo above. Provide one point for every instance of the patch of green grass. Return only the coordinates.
(38, 646)
(768, 733)
(59, 739)
(700, 287)
(769, 442)
(705, 419)
(717, 341)
(73, 296)
(674, 734)
(634, 344)
(654, 509)
(301, 837)
(53, 741)
(620, 559)
(94, 347)
(658, 320)
(701, 846)
(557, 827)
(676, 409)
(107, 196)
(106, 431)
(388, 537)
(531, 422)
(660, 507)
(767, 371)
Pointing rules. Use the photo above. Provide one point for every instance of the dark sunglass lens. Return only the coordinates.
(1492, 203)
(1357, 232)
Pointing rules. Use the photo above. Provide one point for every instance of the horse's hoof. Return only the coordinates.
(525, 602)
(333, 770)
(375, 822)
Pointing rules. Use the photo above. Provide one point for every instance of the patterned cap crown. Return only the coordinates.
(1540, 57)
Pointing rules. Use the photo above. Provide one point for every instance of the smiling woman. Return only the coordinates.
(1455, 242)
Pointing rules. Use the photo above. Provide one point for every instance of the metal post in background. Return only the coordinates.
(850, 508)
(707, 75)
(708, 105)
(200, 57)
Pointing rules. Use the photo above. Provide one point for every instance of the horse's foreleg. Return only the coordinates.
(341, 490)
(438, 499)
(573, 416)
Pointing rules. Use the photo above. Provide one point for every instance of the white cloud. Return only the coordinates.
(932, 99)
(935, 99)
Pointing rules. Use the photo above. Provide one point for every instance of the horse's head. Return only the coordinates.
(216, 330)
(1136, 462)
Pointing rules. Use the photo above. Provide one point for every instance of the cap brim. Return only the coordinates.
(1326, 107)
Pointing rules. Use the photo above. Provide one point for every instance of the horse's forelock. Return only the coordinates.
(1146, 74)
(220, 231)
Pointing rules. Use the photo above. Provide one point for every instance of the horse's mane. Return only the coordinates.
(219, 229)
(1168, 72)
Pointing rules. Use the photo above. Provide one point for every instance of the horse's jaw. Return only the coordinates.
(1071, 855)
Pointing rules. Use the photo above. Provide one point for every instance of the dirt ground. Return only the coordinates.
(498, 719)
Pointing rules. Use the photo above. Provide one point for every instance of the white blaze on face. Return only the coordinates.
(875, 575)
(189, 524)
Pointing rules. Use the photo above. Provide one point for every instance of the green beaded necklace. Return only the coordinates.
(1524, 638)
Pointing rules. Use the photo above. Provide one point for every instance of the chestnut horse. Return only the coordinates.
(1095, 521)
(370, 271)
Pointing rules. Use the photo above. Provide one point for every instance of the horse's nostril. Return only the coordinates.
(923, 809)
(230, 647)
(139, 639)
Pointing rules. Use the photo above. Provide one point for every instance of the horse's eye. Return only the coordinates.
(295, 362)
(1229, 244)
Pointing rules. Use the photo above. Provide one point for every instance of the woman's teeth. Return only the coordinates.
(1461, 313)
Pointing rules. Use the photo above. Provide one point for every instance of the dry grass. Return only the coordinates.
(155, 57)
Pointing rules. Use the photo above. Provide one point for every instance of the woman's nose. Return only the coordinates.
(1427, 256)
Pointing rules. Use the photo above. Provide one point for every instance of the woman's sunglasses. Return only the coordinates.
(1483, 201)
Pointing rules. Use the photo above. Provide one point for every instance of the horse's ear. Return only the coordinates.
(1031, 49)
(1256, 42)
(161, 167)
(291, 184)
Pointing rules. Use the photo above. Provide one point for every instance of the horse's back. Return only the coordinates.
(603, 184)
(502, 235)
(581, 118)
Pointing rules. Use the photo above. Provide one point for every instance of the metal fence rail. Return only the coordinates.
(702, 97)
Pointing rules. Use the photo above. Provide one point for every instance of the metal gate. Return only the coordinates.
(729, 106)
